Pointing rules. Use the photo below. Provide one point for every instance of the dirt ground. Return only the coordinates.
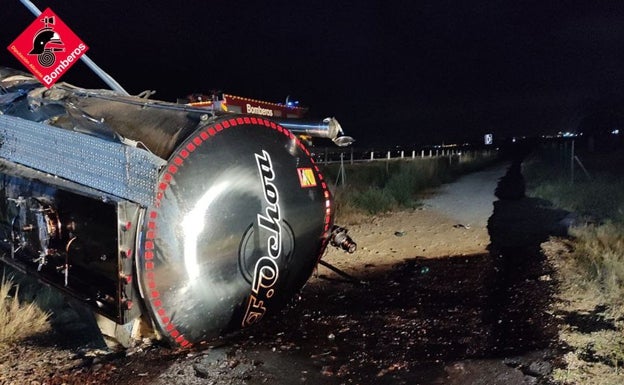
(454, 292)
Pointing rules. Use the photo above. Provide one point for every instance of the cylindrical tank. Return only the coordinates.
(240, 219)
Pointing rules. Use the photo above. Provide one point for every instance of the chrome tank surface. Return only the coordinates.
(241, 217)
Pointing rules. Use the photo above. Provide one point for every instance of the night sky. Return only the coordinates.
(391, 72)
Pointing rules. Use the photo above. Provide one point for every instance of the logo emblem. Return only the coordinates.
(48, 48)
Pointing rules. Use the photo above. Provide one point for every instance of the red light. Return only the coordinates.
(126, 279)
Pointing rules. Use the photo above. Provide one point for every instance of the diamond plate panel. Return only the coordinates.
(127, 172)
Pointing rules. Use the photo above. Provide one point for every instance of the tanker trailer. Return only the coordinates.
(194, 222)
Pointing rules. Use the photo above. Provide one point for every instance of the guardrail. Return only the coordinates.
(329, 155)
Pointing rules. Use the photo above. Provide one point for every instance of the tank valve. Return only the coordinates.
(341, 240)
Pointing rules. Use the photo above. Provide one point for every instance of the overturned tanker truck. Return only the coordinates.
(188, 222)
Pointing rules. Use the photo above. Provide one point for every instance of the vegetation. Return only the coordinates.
(19, 319)
(598, 197)
(591, 271)
(597, 190)
(381, 186)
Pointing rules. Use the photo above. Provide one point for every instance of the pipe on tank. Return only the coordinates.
(326, 128)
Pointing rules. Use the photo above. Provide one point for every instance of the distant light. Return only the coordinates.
(615, 132)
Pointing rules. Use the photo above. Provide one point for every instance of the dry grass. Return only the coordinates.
(599, 258)
(594, 356)
(18, 319)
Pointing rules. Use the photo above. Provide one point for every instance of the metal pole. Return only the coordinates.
(572, 164)
(112, 83)
(342, 169)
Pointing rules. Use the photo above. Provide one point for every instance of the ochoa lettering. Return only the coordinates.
(259, 110)
(266, 270)
(58, 71)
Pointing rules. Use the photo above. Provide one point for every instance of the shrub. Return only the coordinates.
(374, 200)
(599, 256)
(18, 320)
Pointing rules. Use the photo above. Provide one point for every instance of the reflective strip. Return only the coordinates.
(112, 167)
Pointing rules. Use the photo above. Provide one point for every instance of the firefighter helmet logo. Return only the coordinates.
(42, 51)
(46, 42)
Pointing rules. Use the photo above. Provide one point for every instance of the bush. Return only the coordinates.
(18, 320)
(599, 256)
(412, 178)
(374, 200)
